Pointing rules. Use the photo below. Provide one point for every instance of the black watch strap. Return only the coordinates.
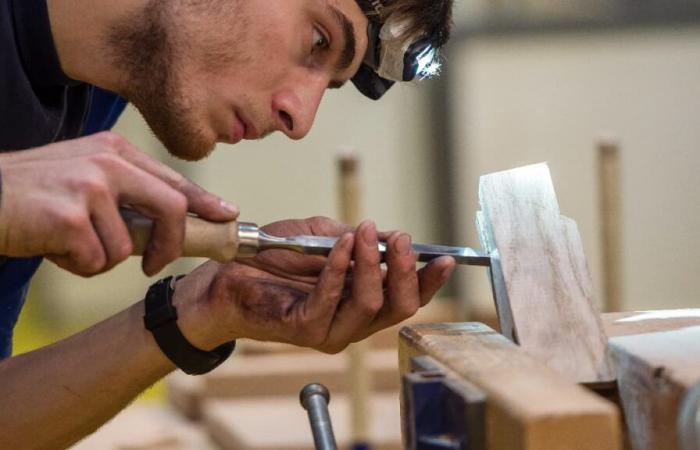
(160, 319)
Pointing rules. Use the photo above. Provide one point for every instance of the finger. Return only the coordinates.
(199, 201)
(367, 299)
(324, 299)
(433, 276)
(166, 206)
(112, 232)
(85, 255)
(403, 298)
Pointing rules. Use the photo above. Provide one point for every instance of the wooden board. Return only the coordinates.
(641, 322)
(529, 406)
(282, 424)
(277, 374)
(147, 427)
(655, 370)
(544, 292)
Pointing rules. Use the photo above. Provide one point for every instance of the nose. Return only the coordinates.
(295, 106)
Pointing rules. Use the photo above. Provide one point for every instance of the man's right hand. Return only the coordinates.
(62, 201)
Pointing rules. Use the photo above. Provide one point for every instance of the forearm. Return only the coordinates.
(54, 396)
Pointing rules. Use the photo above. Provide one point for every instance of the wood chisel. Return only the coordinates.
(224, 241)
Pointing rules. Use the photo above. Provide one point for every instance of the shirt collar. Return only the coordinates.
(36, 45)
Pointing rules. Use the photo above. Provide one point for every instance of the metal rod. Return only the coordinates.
(315, 398)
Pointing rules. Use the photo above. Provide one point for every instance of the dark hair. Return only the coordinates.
(427, 17)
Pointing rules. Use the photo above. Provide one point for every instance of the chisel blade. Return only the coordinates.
(322, 245)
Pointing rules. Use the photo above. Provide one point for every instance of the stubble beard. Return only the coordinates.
(145, 48)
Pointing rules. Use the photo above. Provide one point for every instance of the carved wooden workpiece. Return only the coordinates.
(543, 289)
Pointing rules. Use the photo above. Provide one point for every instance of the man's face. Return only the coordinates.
(207, 71)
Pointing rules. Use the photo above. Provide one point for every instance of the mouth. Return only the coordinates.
(250, 132)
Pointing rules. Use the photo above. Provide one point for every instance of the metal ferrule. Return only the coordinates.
(248, 240)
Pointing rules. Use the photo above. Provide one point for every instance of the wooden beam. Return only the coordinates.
(655, 369)
(277, 374)
(529, 406)
(280, 423)
(642, 322)
(544, 293)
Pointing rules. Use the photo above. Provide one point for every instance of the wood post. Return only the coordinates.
(360, 383)
(610, 200)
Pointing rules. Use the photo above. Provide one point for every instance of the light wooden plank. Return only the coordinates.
(654, 372)
(277, 374)
(147, 427)
(641, 322)
(529, 406)
(550, 308)
(282, 424)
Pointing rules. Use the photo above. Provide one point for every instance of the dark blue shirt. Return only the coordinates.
(39, 105)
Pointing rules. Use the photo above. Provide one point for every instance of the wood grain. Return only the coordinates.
(543, 288)
(655, 370)
(529, 406)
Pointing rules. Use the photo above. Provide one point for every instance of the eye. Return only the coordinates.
(319, 41)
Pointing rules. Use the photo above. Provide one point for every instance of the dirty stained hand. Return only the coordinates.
(61, 201)
(321, 302)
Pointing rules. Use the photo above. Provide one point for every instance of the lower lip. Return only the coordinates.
(238, 131)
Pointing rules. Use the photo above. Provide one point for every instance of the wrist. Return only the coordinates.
(161, 319)
(196, 319)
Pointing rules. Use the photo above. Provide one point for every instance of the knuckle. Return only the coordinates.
(75, 222)
(111, 141)
(369, 308)
(123, 250)
(90, 263)
(319, 223)
(93, 186)
(177, 206)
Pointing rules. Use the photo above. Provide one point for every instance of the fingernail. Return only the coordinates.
(369, 233)
(228, 206)
(403, 244)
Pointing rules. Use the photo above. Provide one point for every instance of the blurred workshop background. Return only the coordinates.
(523, 82)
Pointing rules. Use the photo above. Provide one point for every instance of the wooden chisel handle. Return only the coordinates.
(214, 240)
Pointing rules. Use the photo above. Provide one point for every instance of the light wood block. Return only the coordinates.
(147, 427)
(641, 322)
(529, 406)
(282, 424)
(544, 292)
(277, 374)
(655, 369)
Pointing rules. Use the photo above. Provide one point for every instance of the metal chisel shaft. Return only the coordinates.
(225, 241)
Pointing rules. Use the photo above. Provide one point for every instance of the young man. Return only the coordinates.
(201, 72)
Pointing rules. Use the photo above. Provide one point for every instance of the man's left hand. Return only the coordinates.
(320, 302)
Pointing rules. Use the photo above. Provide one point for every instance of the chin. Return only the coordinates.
(188, 145)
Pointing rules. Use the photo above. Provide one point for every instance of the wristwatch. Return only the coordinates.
(160, 319)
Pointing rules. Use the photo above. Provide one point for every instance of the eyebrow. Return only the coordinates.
(347, 55)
